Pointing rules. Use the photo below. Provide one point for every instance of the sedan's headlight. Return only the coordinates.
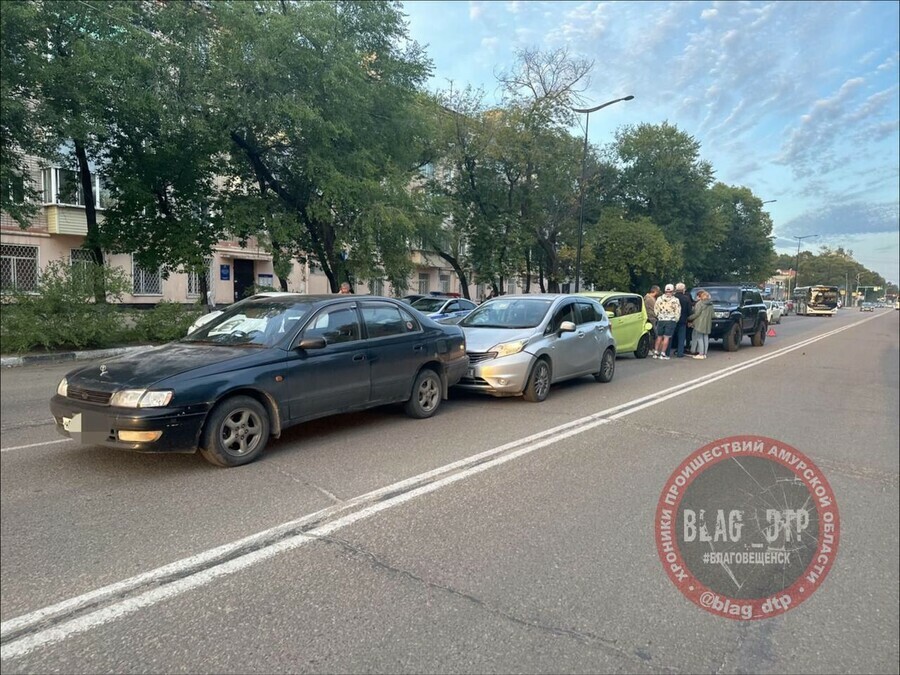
(509, 348)
(140, 398)
(63, 387)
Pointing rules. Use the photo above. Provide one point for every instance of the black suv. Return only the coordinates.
(738, 311)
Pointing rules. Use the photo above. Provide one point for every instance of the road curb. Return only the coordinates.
(59, 357)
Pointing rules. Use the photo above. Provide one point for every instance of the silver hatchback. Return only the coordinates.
(519, 345)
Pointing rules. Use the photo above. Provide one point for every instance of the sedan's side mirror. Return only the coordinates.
(567, 327)
(312, 343)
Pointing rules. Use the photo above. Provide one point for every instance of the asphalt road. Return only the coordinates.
(499, 536)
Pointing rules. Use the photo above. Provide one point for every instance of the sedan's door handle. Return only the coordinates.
(359, 357)
(418, 348)
(580, 335)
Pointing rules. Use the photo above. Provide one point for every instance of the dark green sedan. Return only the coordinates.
(259, 368)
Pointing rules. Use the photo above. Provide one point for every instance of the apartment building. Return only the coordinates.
(58, 229)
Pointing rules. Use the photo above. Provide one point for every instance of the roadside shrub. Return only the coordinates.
(63, 314)
(167, 321)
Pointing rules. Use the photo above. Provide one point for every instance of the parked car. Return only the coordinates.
(261, 366)
(773, 311)
(206, 318)
(519, 345)
(628, 320)
(867, 307)
(738, 311)
(443, 307)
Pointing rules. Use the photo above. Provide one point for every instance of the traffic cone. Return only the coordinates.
(771, 332)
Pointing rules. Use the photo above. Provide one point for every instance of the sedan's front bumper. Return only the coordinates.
(102, 425)
(501, 376)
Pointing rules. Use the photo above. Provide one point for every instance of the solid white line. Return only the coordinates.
(202, 577)
(34, 445)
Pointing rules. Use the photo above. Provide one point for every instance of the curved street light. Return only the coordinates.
(587, 121)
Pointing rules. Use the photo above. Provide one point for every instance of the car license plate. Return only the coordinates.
(72, 424)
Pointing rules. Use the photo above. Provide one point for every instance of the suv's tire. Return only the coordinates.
(538, 387)
(643, 348)
(607, 366)
(758, 339)
(426, 395)
(732, 339)
(236, 432)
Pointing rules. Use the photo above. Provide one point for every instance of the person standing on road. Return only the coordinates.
(702, 317)
(681, 327)
(345, 289)
(650, 304)
(668, 311)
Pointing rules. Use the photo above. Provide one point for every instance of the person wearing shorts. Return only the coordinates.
(668, 311)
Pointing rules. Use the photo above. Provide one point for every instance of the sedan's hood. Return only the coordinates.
(144, 368)
(482, 339)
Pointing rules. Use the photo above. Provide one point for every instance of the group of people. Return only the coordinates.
(671, 314)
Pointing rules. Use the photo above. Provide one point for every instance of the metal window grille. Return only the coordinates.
(423, 283)
(445, 283)
(193, 281)
(145, 282)
(18, 268)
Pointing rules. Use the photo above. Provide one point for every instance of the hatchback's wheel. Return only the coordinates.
(733, 339)
(426, 395)
(607, 367)
(236, 432)
(643, 348)
(538, 386)
(759, 337)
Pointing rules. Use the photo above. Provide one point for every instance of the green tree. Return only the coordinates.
(320, 102)
(628, 255)
(663, 178)
(746, 251)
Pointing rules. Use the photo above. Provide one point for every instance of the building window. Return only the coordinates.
(14, 189)
(427, 171)
(376, 287)
(63, 186)
(145, 282)
(445, 283)
(81, 257)
(18, 268)
(423, 284)
(511, 287)
(193, 281)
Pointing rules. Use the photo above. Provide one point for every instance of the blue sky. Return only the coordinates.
(796, 100)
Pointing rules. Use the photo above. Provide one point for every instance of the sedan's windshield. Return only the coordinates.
(508, 313)
(429, 304)
(261, 323)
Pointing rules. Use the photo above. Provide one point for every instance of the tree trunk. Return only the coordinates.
(92, 240)
(454, 263)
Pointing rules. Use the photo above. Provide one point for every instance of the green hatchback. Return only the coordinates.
(627, 319)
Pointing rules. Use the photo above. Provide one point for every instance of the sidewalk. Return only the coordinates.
(58, 357)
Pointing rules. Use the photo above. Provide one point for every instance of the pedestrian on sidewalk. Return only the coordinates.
(668, 311)
(701, 318)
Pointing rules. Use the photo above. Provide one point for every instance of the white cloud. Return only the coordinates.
(513, 7)
(707, 14)
(490, 42)
(476, 9)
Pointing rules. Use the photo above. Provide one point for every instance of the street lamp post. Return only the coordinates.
(797, 266)
(587, 120)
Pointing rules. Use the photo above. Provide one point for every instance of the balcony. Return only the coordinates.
(67, 219)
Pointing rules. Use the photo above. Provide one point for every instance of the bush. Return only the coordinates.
(167, 321)
(64, 314)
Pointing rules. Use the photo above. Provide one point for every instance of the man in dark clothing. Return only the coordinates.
(681, 329)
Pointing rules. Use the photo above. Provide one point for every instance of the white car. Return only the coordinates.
(773, 312)
(206, 318)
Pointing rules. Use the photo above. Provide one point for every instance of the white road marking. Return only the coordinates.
(469, 467)
(35, 445)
